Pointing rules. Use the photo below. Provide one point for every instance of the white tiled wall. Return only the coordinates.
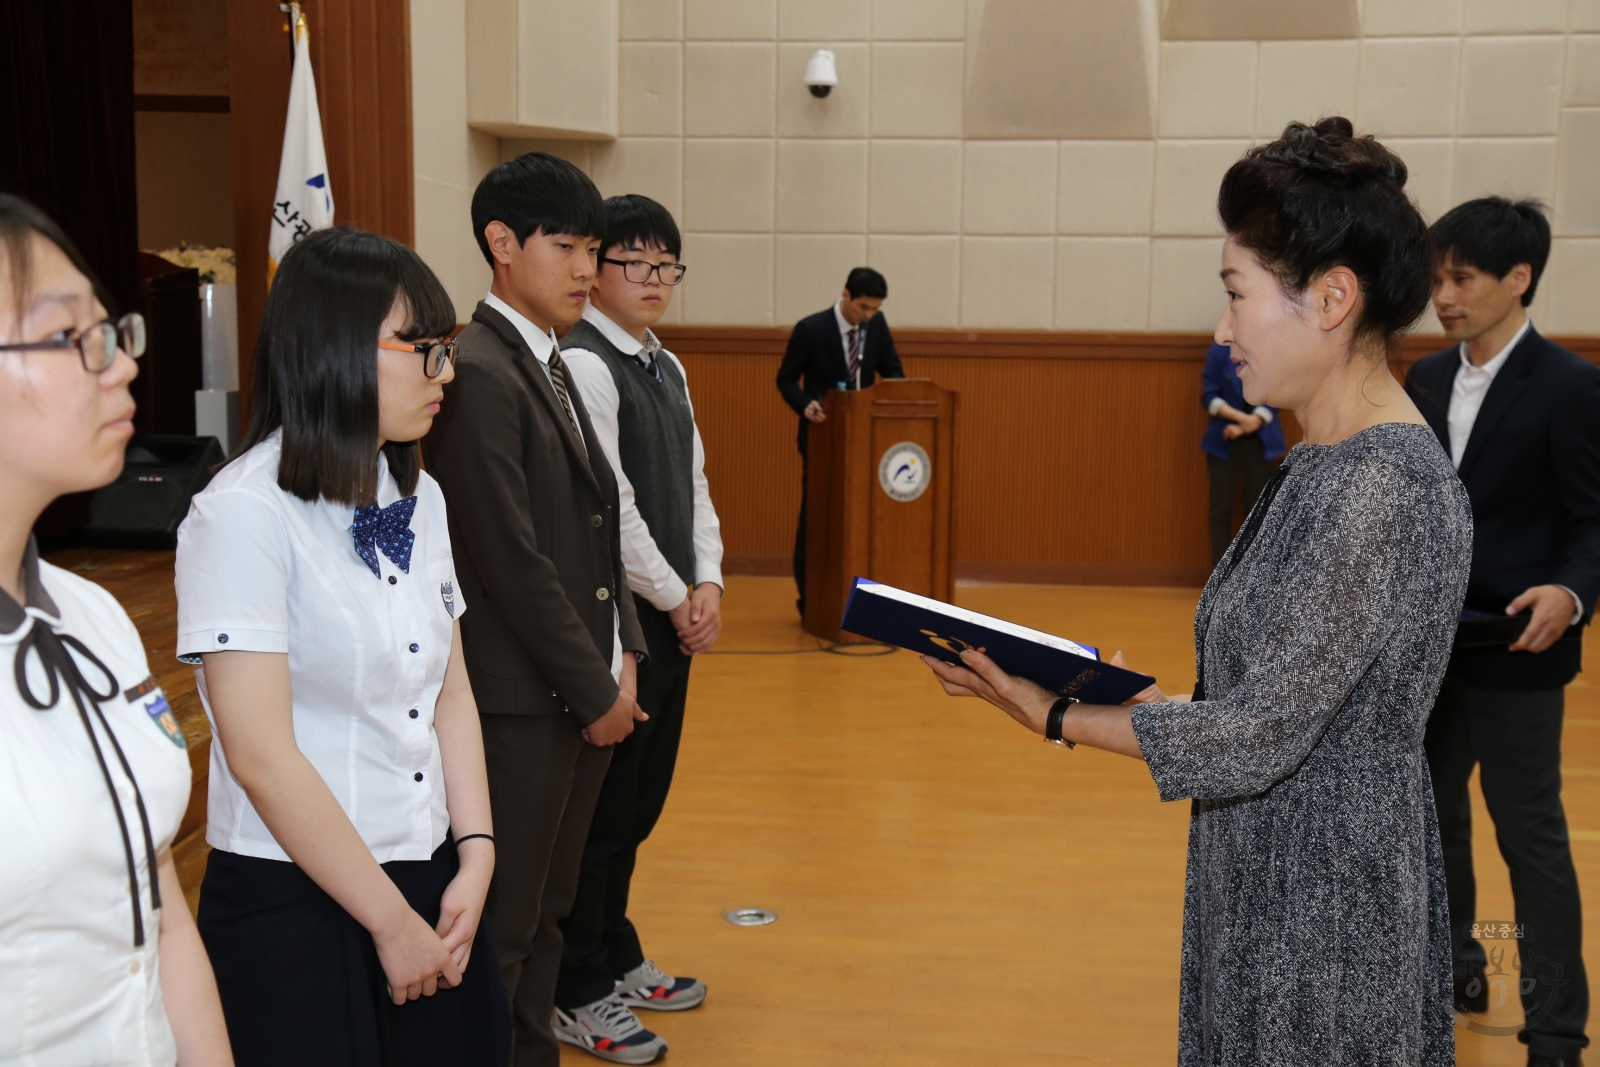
(1106, 187)
(1207, 89)
(650, 89)
(1304, 80)
(448, 156)
(711, 201)
(1009, 187)
(779, 193)
(1007, 282)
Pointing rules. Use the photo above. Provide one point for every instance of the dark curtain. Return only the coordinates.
(66, 126)
(66, 143)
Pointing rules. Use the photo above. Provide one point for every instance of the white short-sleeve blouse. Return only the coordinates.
(260, 570)
(74, 989)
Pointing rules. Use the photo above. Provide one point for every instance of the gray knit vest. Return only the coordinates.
(655, 441)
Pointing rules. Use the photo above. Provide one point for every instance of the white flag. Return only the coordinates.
(304, 201)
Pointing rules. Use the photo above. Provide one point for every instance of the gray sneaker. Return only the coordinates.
(607, 1029)
(647, 986)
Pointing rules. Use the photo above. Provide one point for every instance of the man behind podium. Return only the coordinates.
(848, 346)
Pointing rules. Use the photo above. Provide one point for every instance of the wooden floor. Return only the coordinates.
(949, 889)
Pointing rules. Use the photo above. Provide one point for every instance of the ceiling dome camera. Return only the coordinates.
(821, 74)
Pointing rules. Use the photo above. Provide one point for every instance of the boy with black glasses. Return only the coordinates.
(638, 399)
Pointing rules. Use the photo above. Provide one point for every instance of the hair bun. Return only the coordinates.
(1331, 147)
(1336, 126)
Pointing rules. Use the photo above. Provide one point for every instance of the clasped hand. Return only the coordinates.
(418, 961)
(617, 723)
(1241, 425)
(698, 619)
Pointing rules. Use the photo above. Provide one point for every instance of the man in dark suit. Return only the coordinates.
(848, 346)
(1520, 417)
(551, 641)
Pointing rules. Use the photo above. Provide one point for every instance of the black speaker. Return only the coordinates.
(143, 507)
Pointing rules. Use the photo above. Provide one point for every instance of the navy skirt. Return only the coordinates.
(301, 983)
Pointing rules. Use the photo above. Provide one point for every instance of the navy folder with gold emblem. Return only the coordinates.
(933, 628)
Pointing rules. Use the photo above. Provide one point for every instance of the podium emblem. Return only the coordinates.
(904, 471)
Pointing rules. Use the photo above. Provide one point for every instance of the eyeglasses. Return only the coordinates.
(97, 345)
(638, 271)
(435, 354)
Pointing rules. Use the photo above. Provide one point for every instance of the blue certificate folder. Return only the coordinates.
(933, 628)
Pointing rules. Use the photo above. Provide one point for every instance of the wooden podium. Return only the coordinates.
(879, 489)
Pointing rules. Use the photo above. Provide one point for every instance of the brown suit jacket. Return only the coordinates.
(533, 525)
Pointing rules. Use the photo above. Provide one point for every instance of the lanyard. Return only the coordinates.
(54, 652)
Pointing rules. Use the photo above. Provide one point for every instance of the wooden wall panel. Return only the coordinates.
(258, 91)
(1078, 455)
(361, 54)
(751, 459)
(180, 47)
(1077, 470)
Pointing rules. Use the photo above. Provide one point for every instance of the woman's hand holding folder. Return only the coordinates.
(1099, 726)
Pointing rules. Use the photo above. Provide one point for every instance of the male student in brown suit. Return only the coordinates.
(550, 644)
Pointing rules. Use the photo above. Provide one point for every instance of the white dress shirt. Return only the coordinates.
(1471, 386)
(73, 988)
(1466, 400)
(260, 570)
(649, 573)
(542, 344)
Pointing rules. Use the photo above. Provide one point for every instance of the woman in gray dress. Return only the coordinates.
(1315, 927)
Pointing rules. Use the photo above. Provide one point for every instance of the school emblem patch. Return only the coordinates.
(154, 701)
(447, 590)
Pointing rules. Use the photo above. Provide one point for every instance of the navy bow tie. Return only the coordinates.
(385, 529)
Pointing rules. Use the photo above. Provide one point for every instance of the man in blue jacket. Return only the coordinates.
(1240, 444)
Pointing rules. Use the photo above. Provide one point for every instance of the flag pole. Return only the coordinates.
(293, 11)
(303, 201)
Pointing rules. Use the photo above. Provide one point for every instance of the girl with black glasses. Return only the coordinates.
(99, 959)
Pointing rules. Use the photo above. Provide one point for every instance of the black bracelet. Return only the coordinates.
(1052, 722)
(468, 837)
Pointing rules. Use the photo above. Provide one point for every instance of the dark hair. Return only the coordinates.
(1495, 234)
(316, 360)
(537, 193)
(1321, 197)
(19, 221)
(635, 220)
(864, 281)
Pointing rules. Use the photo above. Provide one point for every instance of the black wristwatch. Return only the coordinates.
(1052, 722)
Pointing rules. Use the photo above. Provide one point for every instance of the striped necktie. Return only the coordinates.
(558, 378)
(855, 349)
(649, 357)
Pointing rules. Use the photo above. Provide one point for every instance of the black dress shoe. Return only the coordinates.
(1472, 993)
(1574, 1060)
